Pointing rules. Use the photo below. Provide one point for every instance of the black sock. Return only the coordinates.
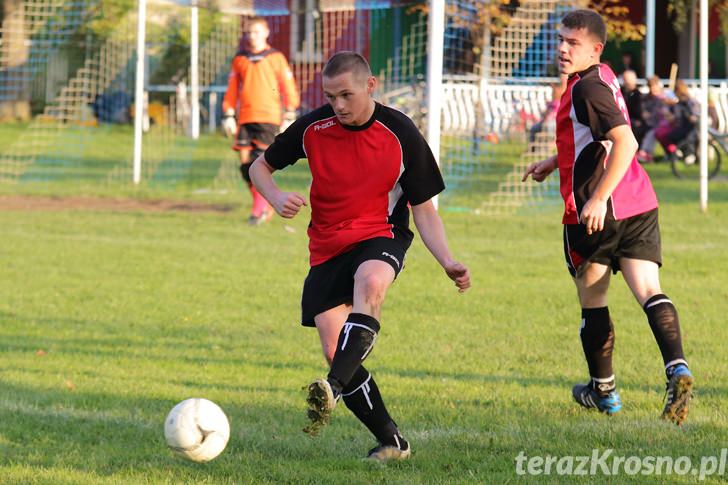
(362, 397)
(245, 172)
(597, 340)
(665, 326)
(356, 340)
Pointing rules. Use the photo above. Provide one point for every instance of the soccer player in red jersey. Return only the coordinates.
(370, 165)
(610, 220)
(260, 89)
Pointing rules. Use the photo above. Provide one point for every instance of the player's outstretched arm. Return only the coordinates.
(540, 170)
(432, 231)
(286, 204)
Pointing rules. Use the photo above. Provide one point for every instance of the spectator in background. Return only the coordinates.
(633, 98)
(683, 118)
(654, 109)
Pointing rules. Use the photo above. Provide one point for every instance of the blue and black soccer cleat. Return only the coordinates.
(678, 392)
(588, 397)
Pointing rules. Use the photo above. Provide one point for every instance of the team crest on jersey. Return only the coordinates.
(323, 126)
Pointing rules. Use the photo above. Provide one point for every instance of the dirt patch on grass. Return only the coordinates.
(32, 203)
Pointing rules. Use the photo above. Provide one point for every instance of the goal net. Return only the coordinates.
(497, 80)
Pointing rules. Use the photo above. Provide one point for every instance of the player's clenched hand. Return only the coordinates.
(539, 170)
(287, 204)
(459, 274)
(593, 214)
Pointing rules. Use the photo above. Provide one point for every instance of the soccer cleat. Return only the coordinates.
(588, 397)
(384, 453)
(678, 392)
(321, 402)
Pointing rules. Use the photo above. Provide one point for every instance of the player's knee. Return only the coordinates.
(592, 293)
(244, 154)
(374, 287)
(593, 299)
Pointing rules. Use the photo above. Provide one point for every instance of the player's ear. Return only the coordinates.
(598, 49)
(371, 84)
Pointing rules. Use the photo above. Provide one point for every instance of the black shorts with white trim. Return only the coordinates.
(331, 283)
(636, 237)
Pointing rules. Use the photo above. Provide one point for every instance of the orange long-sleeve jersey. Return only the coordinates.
(259, 86)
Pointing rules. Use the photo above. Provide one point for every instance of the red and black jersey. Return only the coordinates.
(364, 177)
(591, 106)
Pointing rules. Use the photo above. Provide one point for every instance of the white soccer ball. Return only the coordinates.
(197, 429)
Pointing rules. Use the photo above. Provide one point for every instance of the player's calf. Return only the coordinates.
(356, 341)
(665, 325)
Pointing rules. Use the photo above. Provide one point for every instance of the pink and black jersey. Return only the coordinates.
(591, 106)
(364, 177)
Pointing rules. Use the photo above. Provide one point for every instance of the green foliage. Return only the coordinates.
(167, 32)
(680, 9)
(104, 17)
(619, 26)
(173, 40)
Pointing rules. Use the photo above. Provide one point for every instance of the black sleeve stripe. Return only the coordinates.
(421, 179)
(595, 107)
(287, 148)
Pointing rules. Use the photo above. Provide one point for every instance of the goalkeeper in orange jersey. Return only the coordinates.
(261, 94)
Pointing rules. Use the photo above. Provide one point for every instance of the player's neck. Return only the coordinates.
(595, 63)
(366, 116)
(260, 49)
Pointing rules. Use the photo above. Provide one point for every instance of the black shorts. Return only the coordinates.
(637, 237)
(331, 283)
(255, 135)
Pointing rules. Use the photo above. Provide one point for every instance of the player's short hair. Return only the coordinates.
(347, 61)
(586, 19)
(258, 20)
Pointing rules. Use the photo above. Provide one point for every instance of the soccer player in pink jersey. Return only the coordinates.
(610, 220)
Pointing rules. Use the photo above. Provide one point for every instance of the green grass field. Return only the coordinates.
(109, 318)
